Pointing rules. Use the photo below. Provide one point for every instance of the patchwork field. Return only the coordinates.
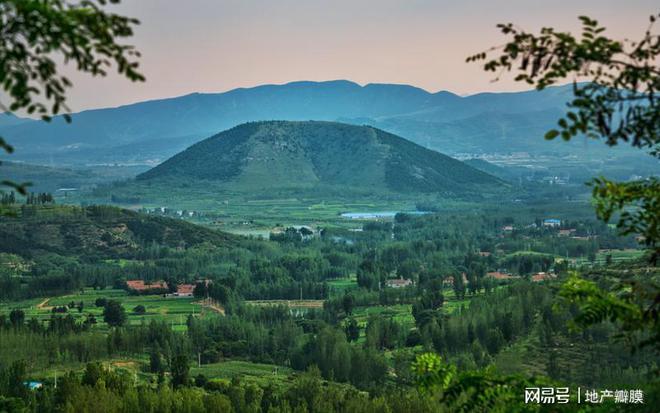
(401, 313)
(246, 371)
(137, 368)
(616, 256)
(172, 310)
(340, 285)
(252, 216)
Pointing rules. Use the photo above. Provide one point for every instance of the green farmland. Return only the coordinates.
(171, 310)
(245, 370)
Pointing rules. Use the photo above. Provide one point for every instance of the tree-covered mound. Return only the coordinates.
(312, 154)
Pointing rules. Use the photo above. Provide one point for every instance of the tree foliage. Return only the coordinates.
(617, 103)
(114, 313)
(34, 33)
(632, 303)
(469, 391)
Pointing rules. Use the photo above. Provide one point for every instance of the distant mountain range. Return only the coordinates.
(307, 155)
(8, 119)
(155, 130)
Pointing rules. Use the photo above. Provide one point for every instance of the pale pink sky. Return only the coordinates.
(217, 45)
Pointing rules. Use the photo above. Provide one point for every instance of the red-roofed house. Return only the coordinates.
(185, 290)
(500, 275)
(142, 287)
(542, 276)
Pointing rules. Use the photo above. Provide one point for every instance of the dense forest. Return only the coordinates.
(480, 290)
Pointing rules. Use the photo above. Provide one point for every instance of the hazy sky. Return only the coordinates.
(217, 45)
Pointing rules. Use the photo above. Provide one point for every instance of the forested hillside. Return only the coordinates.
(272, 155)
(97, 232)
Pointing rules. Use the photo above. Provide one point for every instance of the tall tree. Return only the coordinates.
(17, 318)
(114, 313)
(352, 330)
(180, 371)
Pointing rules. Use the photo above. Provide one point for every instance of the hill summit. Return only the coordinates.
(312, 154)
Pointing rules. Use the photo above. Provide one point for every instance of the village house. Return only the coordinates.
(551, 222)
(33, 385)
(398, 283)
(187, 290)
(140, 286)
(542, 276)
(497, 275)
(184, 290)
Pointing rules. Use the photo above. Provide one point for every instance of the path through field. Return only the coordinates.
(42, 305)
(212, 305)
(289, 303)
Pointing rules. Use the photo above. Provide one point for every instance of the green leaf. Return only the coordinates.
(551, 134)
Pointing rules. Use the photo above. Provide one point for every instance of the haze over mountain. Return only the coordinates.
(52, 179)
(276, 155)
(155, 130)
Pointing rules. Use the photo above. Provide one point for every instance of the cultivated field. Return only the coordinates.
(172, 310)
(246, 371)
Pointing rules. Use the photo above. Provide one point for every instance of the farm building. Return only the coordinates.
(140, 286)
(33, 385)
(542, 276)
(398, 283)
(500, 275)
(184, 290)
(551, 222)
